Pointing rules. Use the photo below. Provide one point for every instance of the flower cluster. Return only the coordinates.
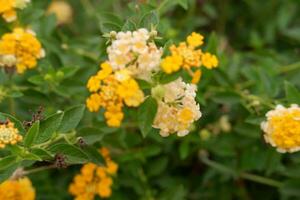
(187, 55)
(111, 90)
(282, 128)
(177, 108)
(8, 8)
(20, 49)
(135, 51)
(94, 180)
(17, 190)
(8, 134)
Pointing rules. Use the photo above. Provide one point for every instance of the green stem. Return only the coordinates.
(39, 169)
(289, 68)
(243, 175)
(260, 179)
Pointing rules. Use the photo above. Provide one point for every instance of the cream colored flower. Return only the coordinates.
(282, 128)
(177, 110)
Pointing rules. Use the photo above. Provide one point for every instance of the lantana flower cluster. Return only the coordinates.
(187, 56)
(20, 189)
(282, 128)
(9, 134)
(111, 90)
(8, 8)
(132, 56)
(94, 180)
(135, 51)
(20, 49)
(177, 108)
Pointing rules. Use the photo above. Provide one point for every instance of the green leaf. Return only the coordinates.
(212, 44)
(31, 156)
(183, 3)
(32, 134)
(292, 93)
(71, 118)
(49, 127)
(42, 153)
(149, 20)
(7, 162)
(5, 174)
(73, 154)
(146, 115)
(18, 124)
(91, 135)
(94, 155)
(37, 80)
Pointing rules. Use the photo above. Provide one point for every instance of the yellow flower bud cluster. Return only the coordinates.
(8, 8)
(177, 110)
(187, 55)
(20, 49)
(282, 128)
(17, 190)
(9, 134)
(111, 90)
(94, 180)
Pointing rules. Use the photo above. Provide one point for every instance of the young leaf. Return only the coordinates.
(31, 135)
(146, 114)
(49, 127)
(71, 118)
(292, 93)
(74, 155)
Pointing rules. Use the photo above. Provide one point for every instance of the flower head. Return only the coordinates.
(187, 56)
(177, 110)
(111, 90)
(8, 8)
(94, 180)
(17, 189)
(20, 49)
(282, 128)
(9, 134)
(136, 52)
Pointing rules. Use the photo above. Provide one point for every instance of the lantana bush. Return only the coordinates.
(149, 99)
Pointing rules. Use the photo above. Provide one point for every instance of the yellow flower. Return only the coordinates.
(111, 91)
(22, 47)
(62, 10)
(94, 102)
(7, 8)
(171, 63)
(190, 57)
(209, 61)
(9, 134)
(94, 180)
(17, 190)
(282, 128)
(196, 76)
(195, 39)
